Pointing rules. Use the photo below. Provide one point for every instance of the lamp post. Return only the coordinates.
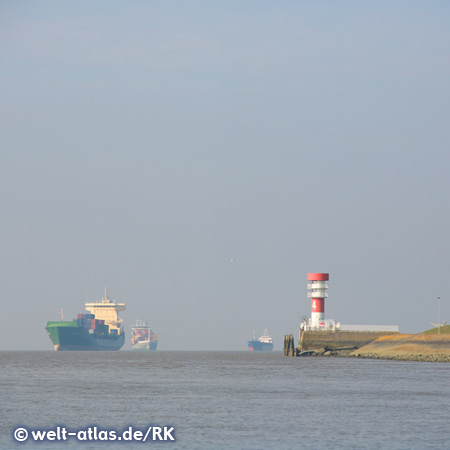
(439, 315)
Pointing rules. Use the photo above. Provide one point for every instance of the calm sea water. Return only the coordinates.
(228, 400)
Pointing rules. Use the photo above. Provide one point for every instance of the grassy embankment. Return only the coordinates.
(445, 329)
(426, 346)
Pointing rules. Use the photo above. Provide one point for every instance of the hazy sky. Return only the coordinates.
(145, 144)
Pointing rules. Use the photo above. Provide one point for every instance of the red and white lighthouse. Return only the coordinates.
(317, 291)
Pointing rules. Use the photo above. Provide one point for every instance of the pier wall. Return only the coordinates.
(331, 340)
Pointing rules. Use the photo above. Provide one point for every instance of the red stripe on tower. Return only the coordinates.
(318, 305)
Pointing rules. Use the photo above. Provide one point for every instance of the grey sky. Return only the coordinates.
(145, 144)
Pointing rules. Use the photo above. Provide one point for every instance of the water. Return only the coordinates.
(228, 400)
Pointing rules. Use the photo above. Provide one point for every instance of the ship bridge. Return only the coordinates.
(107, 310)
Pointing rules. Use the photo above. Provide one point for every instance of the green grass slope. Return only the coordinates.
(445, 329)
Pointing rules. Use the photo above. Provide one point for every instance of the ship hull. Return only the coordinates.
(68, 336)
(145, 346)
(256, 346)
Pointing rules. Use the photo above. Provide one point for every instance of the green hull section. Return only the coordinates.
(69, 336)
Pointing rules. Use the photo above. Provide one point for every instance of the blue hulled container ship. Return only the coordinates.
(142, 337)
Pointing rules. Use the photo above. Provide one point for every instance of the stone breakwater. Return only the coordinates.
(406, 347)
(332, 340)
(400, 347)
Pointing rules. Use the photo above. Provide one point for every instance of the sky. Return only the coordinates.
(199, 158)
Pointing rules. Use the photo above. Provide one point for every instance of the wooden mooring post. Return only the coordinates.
(289, 347)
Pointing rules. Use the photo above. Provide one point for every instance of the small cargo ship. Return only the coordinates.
(262, 344)
(142, 337)
(100, 329)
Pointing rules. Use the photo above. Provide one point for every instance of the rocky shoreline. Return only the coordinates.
(404, 357)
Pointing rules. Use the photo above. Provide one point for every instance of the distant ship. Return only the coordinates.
(263, 344)
(101, 329)
(142, 337)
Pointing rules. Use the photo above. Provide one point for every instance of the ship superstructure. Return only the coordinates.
(107, 310)
(142, 337)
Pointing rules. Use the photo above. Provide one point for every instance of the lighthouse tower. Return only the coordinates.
(317, 292)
